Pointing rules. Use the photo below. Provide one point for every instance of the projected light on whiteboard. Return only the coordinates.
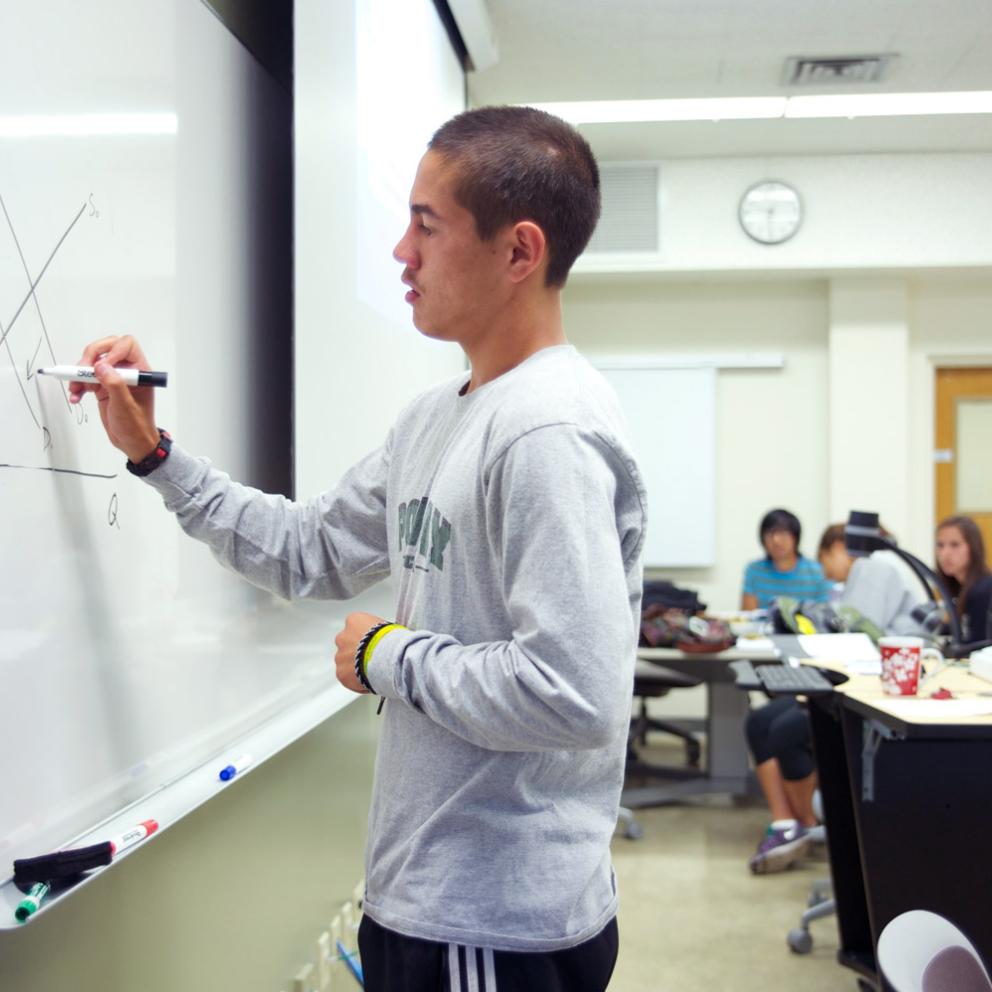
(408, 84)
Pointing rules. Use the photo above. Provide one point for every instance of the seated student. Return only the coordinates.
(882, 587)
(778, 733)
(779, 737)
(961, 562)
(784, 571)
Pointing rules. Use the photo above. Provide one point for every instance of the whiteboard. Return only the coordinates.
(127, 655)
(671, 419)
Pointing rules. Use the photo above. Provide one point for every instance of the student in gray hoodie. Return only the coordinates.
(507, 504)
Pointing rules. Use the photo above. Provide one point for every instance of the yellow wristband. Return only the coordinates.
(378, 636)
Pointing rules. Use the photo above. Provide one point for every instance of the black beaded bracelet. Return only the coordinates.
(363, 645)
(151, 462)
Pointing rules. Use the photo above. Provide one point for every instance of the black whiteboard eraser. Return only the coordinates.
(61, 864)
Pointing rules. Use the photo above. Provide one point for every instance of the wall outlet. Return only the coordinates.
(326, 958)
(305, 979)
(335, 965)
(331, 973)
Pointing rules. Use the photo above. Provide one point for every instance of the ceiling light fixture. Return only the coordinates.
(644, 111)
(769, 108)
(889, 104)
(85, 125)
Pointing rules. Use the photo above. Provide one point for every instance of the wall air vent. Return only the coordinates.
(629, 222)
(803, 70)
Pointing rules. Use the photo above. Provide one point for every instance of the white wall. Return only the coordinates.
(950, 321)
(771, 424)
(889, 277)
(355, 369)
(861, 212)
(848, 423)
(869, 399)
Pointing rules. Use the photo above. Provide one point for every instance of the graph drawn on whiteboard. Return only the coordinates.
(34, 428)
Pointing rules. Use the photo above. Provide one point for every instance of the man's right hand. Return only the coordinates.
(128, 413)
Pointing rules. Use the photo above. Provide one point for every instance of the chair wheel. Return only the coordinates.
(800, 941)
(633, 831)
(693, 753)
(865, 986)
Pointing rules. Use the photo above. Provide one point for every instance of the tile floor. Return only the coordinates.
(694, 919)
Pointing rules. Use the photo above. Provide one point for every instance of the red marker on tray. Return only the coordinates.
(144, 829)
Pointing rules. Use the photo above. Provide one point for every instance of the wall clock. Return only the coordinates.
(770, 212)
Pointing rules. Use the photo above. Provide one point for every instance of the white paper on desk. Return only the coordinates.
(867, 667)
(929, 709)
(759, 647)
(856, 649)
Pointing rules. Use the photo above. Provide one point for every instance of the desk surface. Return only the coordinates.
(712, 666)
(967, 714)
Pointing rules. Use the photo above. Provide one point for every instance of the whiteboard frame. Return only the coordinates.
(171, 802)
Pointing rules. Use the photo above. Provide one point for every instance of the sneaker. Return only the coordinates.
(782, 845)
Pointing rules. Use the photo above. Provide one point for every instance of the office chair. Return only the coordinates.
(820, 900)
(920, 951)
(820, 904)
(632, 830)
(652, 682)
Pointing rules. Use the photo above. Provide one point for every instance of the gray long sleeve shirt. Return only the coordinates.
(883, 588)
(514, 519)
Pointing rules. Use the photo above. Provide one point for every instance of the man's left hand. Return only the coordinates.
(356, 626)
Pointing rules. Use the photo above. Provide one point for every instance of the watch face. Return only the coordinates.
(770, 212)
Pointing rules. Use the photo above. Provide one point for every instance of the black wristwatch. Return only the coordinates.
(151, 462)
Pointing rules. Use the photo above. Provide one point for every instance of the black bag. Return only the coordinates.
(667, 595)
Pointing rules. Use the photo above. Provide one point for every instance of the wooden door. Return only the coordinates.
(963, 457)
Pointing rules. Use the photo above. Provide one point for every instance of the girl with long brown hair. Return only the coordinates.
(961, 562)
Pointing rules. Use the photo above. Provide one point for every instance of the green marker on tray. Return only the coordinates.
(30, 903)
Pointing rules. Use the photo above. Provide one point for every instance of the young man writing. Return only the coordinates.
(510, 510)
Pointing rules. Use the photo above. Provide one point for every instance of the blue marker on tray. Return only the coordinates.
(353, 966)
(229, 771)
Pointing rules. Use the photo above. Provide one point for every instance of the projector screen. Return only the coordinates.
(393, 130)
(374, 80)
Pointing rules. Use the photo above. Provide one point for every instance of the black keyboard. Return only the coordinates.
(781, 679)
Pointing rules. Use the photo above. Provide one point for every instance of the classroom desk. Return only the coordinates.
(908, 808)
(728, 770)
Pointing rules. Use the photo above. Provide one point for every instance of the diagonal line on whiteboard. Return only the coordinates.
(37, 305)
(17, 376)
(44, 269)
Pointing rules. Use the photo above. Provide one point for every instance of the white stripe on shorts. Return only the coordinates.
(472, 969)
(454, 973)
(489, 969)
(473, 984)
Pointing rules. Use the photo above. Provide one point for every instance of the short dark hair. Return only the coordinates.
(780, 519)
(518, 163)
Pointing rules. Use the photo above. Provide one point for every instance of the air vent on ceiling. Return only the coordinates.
(629, 221)
(827, 70)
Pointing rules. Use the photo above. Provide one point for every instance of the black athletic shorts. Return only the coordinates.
(392, 962)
